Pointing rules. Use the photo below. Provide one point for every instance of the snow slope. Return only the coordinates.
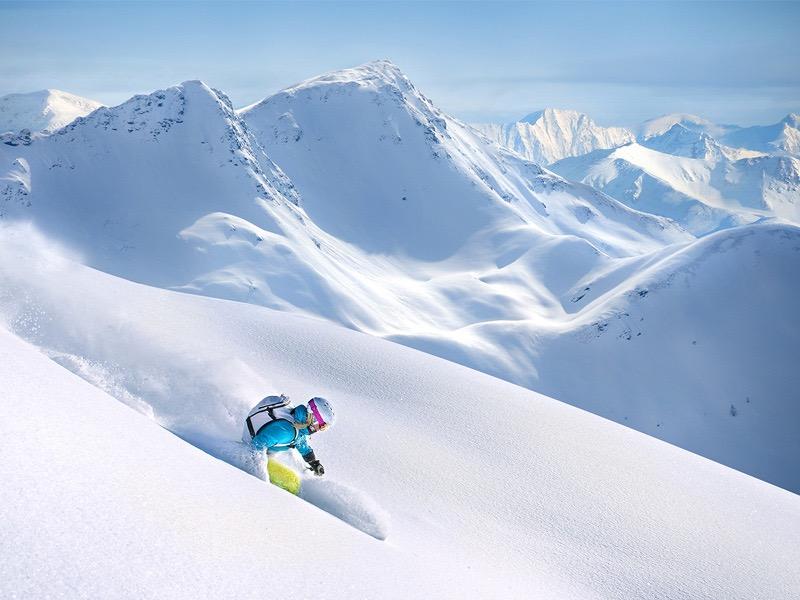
(100, 502)
(490, 487)
(549, 135)
(714, 190)
(45, 110)
(693, 345)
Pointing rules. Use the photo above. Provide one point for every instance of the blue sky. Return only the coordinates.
(621, 62)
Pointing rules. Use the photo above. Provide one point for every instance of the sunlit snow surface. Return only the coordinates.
(492, 490)
(387, 216)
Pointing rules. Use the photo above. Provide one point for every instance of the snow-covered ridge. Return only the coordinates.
(378, 76)
(379, 166)
(183, 148)
(149, 116)
(42, 111)
(551, 134)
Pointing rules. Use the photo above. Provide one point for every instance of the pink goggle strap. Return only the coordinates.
(313, 406)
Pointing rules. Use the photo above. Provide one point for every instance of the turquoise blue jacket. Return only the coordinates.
(280, 435)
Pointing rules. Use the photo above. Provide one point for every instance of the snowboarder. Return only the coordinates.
(275, 425)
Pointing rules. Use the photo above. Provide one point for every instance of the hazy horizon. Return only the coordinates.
(621, 63)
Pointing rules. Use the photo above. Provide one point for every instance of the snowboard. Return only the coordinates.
(342, 501)
(282, 476)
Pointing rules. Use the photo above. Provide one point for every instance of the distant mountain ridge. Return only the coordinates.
(549, 135)
(660, 125)
(682, 141)
(701, 185)
(42, 111)
(737, 175)
(783, 136)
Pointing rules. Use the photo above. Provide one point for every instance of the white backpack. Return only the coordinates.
(269, 409)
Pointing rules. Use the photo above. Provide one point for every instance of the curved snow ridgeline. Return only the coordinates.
(490, 487)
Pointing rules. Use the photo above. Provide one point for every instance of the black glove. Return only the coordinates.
(314, 464)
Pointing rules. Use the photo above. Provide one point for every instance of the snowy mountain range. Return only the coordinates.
(42, 111)
(325, 235)
(736, 175)
(782, 137)
(700, 184)
(551, 134)
(351, 197)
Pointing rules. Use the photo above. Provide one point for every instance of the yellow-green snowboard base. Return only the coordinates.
(283, 476)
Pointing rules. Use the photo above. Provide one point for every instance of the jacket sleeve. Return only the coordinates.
(303, 448)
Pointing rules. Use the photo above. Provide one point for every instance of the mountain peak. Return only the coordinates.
(551, 113)
(792, 119)
(197, 86)
(200, 89)
(664, 123)
(192, 106)
(680, 140)
(42, 110)
(680, 130)
(170, 104)
(382, 66)
(378, 74)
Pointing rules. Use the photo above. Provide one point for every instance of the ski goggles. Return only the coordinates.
(317, 422)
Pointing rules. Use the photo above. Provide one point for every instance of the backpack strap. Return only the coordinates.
(269, 408)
